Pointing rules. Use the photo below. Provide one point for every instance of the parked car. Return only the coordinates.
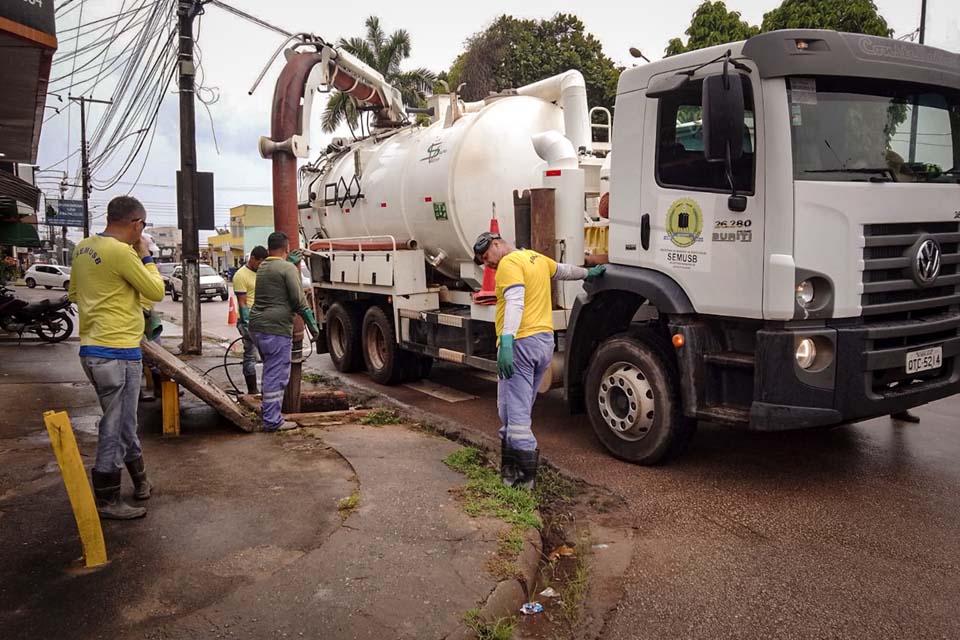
(166, 269)
(211, 284)
(48, 275)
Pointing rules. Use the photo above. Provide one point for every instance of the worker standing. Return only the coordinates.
(111, 271)
(525, 344)
(279, 296)
(244, 287)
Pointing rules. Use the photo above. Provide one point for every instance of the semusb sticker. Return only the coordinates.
(685, 246)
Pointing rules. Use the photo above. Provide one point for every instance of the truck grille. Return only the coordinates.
(900, 315)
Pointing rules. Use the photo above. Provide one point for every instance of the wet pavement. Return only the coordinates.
(842, 533)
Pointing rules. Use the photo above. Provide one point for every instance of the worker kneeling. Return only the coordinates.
(525, 344)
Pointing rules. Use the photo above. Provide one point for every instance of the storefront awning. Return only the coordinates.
(19, 234)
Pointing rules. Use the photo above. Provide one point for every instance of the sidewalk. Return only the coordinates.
(350, 531)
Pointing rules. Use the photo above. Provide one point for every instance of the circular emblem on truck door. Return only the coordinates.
(926, 262)
(684, 223)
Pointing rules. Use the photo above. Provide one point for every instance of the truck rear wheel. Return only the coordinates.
(386, 361)
(633, 399)
(343, 334)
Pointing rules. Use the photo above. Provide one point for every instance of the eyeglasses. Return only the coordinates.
(140, 220)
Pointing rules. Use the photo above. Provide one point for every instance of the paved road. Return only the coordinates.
(847, 533)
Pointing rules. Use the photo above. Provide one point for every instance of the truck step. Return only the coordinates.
(730, 359)
(724, 414)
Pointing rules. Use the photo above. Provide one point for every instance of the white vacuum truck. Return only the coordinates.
(783, 237)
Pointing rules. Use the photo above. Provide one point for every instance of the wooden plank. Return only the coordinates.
(194, 381)
(171, 408)
(78, 489)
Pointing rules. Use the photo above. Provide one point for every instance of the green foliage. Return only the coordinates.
(383, 53)
(712, 24)
(853, 16)
(380, 417)
(500, 629)
(485, 495)
(348, 505)
(513, 52)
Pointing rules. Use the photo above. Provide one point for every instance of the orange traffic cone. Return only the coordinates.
(488, 290)
(232, 314)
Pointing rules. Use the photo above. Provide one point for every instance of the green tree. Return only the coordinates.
(384, 53)
(853, 16)
(513, 52)
(712, 24)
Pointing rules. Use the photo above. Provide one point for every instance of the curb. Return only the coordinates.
(509, 595)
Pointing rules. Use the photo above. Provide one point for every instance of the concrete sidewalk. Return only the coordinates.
(243, 537)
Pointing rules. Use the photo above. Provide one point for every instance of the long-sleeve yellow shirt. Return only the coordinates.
(107, 281)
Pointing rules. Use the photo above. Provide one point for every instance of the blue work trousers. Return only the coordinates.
(515, 395)
(275, 352)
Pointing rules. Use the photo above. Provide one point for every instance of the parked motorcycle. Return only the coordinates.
(49, 320)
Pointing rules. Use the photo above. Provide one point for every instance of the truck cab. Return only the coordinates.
(784, 242)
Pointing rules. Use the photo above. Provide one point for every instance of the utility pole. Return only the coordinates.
(189, 201)
(915, 115)
(84, 161)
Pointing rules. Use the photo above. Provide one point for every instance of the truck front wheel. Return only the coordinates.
(633, 399)
(343, 334)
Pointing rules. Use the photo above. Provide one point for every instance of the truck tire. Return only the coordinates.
(386, 361)
(633, 399)
(343, 337)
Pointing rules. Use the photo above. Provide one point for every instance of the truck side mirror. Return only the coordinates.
(723, 112)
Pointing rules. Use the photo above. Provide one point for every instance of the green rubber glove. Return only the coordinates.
(244, 316)
(311, 322)
(295, 256)
(596, 271)
(505, 357)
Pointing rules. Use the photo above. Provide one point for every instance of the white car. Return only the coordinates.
(211, 284)
(48, 275)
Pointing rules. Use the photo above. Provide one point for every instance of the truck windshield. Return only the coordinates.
(862, 129)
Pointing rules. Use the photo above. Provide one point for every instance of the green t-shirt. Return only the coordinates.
(279, 296)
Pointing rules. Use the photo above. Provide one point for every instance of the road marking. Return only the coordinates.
(439, 391)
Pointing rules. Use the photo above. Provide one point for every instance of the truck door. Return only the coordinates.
(713, 252)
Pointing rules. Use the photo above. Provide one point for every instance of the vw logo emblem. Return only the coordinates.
(926, 265)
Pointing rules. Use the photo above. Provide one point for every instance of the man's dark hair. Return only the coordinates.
(277, 240)
(259, 252)
(122, 208)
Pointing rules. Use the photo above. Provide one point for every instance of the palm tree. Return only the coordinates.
(383, 53)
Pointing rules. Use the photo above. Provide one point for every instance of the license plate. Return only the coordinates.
(209, 290)
(924, 360)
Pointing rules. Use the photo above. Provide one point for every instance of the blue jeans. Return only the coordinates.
(249, 351)
(117, 383)
(275, 351)
(515, 395)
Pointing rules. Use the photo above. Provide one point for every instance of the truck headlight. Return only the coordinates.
(806, 353)
(805, 293)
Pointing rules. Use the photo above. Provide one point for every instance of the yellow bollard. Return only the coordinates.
(78, 489)
(171, 407)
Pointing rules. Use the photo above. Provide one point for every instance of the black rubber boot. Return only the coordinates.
(138, 473)
(251, 384)
(528, 461)
(509, 466)
(106, 489)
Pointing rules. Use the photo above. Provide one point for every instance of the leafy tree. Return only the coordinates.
(383, 53)
(712, 24)
(853, 16)
(513, 52)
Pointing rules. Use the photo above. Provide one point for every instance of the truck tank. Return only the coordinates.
(436, 185)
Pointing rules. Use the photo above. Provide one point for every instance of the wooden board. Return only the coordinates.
(194, 381)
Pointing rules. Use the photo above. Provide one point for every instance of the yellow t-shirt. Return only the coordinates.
(534, 271)
(245, 282)
(107, 282)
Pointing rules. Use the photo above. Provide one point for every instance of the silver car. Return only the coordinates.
(211, 284)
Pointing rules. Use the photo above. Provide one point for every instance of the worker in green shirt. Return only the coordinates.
(279, 296)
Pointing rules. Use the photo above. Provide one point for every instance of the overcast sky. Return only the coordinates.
(234, 51)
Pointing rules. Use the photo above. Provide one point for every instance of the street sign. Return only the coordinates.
(65, 213)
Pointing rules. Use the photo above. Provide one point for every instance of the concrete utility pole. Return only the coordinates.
(915, 115)
(188, 201)
(84, 160)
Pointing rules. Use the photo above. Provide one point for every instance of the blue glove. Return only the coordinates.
(596, 271)
(505, 357)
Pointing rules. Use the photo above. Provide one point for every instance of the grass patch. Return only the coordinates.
(500, 629)
(510, 542)
(380, 417)
(348, 505)
(485, 495)
(315, 378)
(502, 568)
(574, 588)
(553, 489)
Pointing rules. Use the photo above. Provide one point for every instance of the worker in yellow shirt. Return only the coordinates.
(111, 271)
(525, 344)
(244, 287)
